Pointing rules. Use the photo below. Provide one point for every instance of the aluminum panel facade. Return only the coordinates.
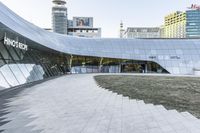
(177, 56)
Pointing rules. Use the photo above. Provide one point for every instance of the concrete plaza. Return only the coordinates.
(75, 104)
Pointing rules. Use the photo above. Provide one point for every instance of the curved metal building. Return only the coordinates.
(29, 53)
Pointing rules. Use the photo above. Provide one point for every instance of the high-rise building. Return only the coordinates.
(193, 24)
(175, 25)
(142, 32)
(59, 17)
(79, 26)
(183, 24)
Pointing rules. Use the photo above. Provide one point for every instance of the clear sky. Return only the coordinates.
(107, 13)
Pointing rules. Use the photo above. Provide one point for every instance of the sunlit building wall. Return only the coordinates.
(175, 25)
(183, 24)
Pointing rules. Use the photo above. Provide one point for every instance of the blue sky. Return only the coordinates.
(107, 13)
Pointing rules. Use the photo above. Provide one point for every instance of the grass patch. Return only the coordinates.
(180, 93)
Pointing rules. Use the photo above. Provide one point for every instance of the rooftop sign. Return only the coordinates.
(15, 43)
(195, 7)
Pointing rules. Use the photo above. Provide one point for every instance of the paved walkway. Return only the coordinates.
(75, 104)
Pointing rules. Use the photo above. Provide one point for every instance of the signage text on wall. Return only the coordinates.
(15, 43)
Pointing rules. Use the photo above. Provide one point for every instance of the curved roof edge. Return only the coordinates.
(165, 50)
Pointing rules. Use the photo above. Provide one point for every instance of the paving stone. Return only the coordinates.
(76, 104)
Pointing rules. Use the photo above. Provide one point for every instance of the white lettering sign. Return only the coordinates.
(15, 43)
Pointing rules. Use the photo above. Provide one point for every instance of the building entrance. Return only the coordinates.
(141, 67)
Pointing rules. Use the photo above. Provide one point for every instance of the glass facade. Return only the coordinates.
(19, 66)
(193, 24)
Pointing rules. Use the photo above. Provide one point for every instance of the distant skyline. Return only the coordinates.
(107, 13)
